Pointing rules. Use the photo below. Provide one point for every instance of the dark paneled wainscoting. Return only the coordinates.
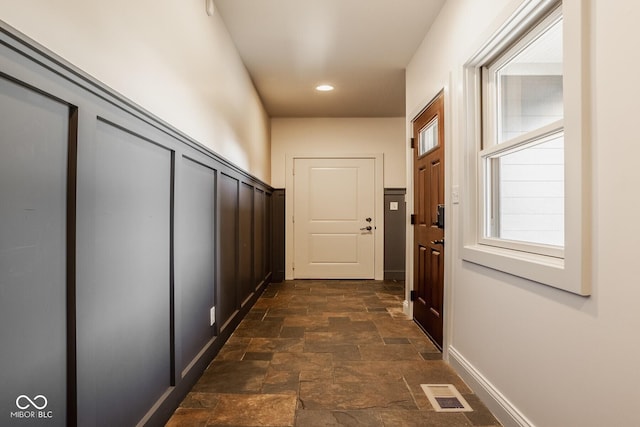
(278, 226)
(128, 252)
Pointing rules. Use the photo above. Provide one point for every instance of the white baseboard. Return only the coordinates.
(497, 403)
(405, 308)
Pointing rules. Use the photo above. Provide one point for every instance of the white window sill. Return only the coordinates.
(569, 274)
(538, 268)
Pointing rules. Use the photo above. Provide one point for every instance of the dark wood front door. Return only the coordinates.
(428, 284)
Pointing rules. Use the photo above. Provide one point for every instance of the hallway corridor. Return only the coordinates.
(326, 353)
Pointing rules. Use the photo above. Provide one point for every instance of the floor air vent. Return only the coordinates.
(445, 398)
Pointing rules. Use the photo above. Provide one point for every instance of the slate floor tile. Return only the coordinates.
(389, 352)
(189, 417)
(350, 396)
(233, 377)
(254, 410)
(315, 418)
(423, 419)
(326, 353)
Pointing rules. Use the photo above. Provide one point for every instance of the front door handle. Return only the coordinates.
(437, 242)
(367, 228)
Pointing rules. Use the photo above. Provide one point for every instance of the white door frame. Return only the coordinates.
(379, 208)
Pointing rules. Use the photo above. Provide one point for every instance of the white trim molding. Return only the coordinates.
(406, 309)
(505, 411)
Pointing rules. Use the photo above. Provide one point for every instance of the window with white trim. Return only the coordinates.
(526, 208)
(522, 156)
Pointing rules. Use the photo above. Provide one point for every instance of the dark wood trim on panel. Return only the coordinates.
(226, 323)
(172, 269)
(34, 88)
(217, 255)
(138, 135)
(237, 253)
(216, 249)
(277, 235)
(258, 275)
(72, 174)
(70, 249)
(268, 230)
(243, 298)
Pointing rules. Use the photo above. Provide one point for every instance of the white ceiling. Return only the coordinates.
(361, 47)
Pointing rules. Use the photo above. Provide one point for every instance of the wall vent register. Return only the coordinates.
(445, 398)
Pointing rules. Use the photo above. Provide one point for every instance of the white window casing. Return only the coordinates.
(564, 267)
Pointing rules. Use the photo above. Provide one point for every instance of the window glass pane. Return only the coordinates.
(428, 139)
(530, 86)
(527, 192)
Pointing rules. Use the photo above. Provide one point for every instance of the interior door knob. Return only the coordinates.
(367, 228)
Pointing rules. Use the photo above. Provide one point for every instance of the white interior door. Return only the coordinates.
(334, 218)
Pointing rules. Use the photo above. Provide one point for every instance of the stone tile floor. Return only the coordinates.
(326, 353)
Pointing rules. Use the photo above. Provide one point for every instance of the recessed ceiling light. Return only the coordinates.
(324, 88)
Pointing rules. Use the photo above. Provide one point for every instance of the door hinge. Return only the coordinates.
(412, 295)
(413, 143)
(413, 219)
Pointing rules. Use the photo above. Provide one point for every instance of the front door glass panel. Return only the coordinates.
(428, 139)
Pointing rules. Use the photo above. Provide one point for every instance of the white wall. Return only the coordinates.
(554, 356)
(329, 136)
(169, 57)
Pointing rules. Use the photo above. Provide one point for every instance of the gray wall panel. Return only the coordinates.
(259, 237)
(227, 301)
(278, 237)
(34, 131)
(394, 234)
(245, 260)
(196, 256)
(124, 312)
(268, 243)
